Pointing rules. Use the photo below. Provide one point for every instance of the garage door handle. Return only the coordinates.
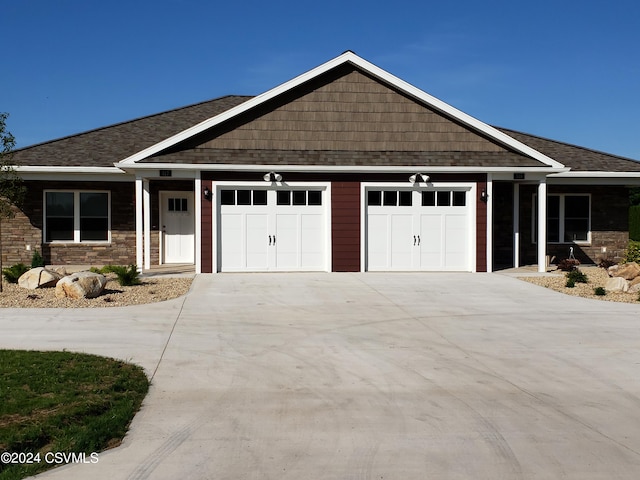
(418, 240)
(269, 240)
(414, 240)
(274, 240)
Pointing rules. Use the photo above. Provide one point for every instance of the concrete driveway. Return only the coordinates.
(365, 376)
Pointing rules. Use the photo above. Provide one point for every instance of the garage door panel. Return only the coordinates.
(456, 235)
(232, 240)
(287, 247)
(431, 242)
(378, 241)
(312, 241)
(257, 234)
(401, 241)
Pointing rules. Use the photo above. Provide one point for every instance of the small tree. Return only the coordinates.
(12, 190)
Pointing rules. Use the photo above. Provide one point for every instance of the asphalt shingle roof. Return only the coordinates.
(105, 146)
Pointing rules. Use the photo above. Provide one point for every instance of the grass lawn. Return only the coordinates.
(63, 402)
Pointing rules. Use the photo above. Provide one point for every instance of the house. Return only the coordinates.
(343, 168)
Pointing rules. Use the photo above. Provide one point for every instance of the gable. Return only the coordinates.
(350, 112)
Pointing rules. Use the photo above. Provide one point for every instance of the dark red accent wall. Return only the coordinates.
(345, 226)
(206, 231)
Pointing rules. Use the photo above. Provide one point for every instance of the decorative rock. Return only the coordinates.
(612, 270)
(616, 284)
(634, 288)
(61, 270)
(628, 271)
(81, 285)
(38, 277)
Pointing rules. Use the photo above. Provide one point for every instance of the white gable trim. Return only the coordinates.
(347, 57)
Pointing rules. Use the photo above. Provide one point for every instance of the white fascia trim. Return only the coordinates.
(63, 170)
(595, 174)
(337, 168)
(347, 57)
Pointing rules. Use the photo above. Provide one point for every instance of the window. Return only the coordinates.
(568, 218)
(76, 216)
(178, 205)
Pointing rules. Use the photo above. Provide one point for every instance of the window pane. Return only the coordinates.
(576, 206)
(259, 197)
(227, 197)
(428, 199)
(94, 204)
(299, 197)
(172, 204)
(374, 197)
(444, 199)
(459, 199)
(576, 230)
(553, 206)
(184, 205)
(390, 198)
(283, 197)
(315, 197)
(553, 230)
(244, 197)
(60, 204)
(405, 198)
(94, 229)
(59, 219)
(59, 229)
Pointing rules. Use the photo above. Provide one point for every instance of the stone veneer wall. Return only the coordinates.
(26, 229)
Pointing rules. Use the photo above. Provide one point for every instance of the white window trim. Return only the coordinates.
(76, 218)
(561, 220)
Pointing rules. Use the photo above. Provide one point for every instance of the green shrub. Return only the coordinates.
(600, 291)
(577, 276)
(632, 253)
(37, 260)
(127, 276)
(570, 283)
(14, 272)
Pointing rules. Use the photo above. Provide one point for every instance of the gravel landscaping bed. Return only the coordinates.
(151, 290)
(597, 278)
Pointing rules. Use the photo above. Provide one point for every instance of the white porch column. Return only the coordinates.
(139, 223)
(542, 225)
(198, 220)
(146, 214)
(516, 225)
(489, 222)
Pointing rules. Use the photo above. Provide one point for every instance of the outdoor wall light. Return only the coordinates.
(272, 177)
(484, 196)
(207, 193)
(419, 177)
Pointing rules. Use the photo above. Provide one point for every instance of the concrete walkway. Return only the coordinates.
(365, 376)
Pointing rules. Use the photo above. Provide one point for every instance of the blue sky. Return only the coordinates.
(566, 70)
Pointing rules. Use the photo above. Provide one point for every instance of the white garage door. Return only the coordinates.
(271, 229)
(418, 229)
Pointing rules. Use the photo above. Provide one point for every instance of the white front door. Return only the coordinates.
(264, 229)
(417, 229)
(178, 224)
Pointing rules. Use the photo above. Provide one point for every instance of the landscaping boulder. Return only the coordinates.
(616, 284)
(39, 277)
(628, 271)
(81, 285)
